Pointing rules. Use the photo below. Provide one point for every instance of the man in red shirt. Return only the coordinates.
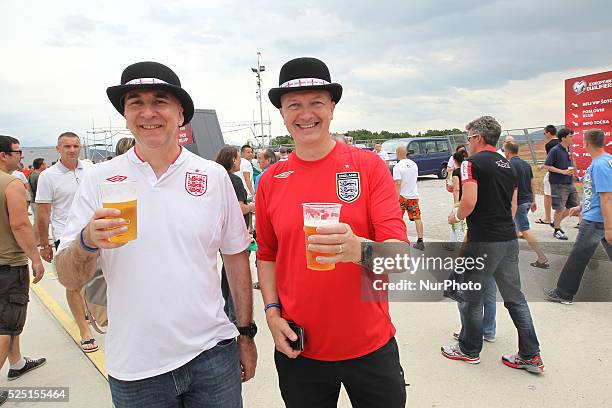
(348, 340)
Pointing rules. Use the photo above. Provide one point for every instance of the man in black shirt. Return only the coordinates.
(525, 202)
(563, 191)
(488, 203)
(550, 135)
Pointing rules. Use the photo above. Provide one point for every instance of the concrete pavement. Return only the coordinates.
(574, 341)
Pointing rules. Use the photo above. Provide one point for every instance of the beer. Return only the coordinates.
(311, 261)
(316, 215)
(128, 213)
(122, 196)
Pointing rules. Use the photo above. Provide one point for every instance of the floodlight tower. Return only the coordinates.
(258, 70)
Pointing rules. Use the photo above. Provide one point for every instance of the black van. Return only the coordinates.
(431, 154)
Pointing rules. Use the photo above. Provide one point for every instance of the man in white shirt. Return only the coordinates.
(54, 195)
(381, 153)
(246, 170)
(169, 342)
(405, 175)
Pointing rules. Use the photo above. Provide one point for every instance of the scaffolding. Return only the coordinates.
(100, 141)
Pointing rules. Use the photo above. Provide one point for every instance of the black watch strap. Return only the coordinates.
(249, 331)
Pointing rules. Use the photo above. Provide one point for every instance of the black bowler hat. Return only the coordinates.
(302, 74)
(150, 75)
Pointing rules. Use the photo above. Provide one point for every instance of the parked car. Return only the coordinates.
(431, 154)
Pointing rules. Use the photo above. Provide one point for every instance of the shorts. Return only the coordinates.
(14, 297)
(411, 206)
(546, 184)
(564, 196)
(521, 220)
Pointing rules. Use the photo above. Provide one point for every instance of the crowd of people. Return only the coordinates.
(182, 334)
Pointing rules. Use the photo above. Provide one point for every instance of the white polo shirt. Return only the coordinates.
(408, 172)
(56, 186)
(383, 155)
(246, 167)
(164, 292)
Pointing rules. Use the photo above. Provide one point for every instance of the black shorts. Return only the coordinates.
(14, 297)
(373, 380)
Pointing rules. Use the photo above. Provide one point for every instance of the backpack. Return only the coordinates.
(94, 293)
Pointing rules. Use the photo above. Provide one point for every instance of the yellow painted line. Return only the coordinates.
(68, 323)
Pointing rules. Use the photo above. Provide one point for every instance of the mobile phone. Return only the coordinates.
(297, 345)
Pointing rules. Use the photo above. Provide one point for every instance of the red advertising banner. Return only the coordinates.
(588, 105)
(185, 136)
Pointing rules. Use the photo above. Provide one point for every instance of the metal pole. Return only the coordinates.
(260, 102)
(534, 158)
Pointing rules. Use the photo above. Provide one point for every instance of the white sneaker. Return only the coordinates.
(560, 235)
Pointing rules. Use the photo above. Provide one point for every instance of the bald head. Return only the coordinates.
(509, 139)
(401, 152)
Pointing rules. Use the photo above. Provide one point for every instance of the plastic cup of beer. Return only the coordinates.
(316, 215)
(122, 196)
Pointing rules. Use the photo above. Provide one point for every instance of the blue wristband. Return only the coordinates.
(271, 305)
(84, 245)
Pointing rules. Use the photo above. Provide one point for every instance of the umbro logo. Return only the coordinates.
(116, 179)
(284, 174)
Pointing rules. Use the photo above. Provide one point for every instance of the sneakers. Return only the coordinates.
(559, 234)
(29, 366)
(454, 353)
(420, 245)
(552, 295)
(488, 339)
(3, 397)
(533, 365)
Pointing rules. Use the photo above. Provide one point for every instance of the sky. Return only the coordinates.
(404, 65)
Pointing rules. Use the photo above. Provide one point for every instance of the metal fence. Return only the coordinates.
(530, 140)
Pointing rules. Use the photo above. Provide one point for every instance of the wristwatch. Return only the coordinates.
(249, 331)
(367, 250)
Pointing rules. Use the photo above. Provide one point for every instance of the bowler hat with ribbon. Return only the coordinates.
(150, 75)
(302, 74)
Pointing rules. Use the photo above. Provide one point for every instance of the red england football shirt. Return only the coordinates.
(338, 324)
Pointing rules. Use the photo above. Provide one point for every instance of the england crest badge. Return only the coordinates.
(196, 183)
(348, 186)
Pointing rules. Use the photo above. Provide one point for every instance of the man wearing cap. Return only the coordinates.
(347, 340)
(169, 342)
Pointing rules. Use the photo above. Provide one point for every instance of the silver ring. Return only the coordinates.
(339, 252)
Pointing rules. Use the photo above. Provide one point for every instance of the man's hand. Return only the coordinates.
(337, 240)
(101, 228)
(534, 207)
(452, 218)
(38, 269)
(568, 172)
(281, 332)
(248, 357)
(46, 253)
(575, 211)
(608, 235)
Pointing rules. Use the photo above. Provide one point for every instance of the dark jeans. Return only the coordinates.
(373, 380)
(211, 380)
(589, 236)
(501, 262)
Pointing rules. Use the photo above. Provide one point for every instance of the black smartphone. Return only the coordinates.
(297, 345)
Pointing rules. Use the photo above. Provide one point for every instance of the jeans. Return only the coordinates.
(490, 308)
(211, 380)
(590, 234)
(500, 261)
